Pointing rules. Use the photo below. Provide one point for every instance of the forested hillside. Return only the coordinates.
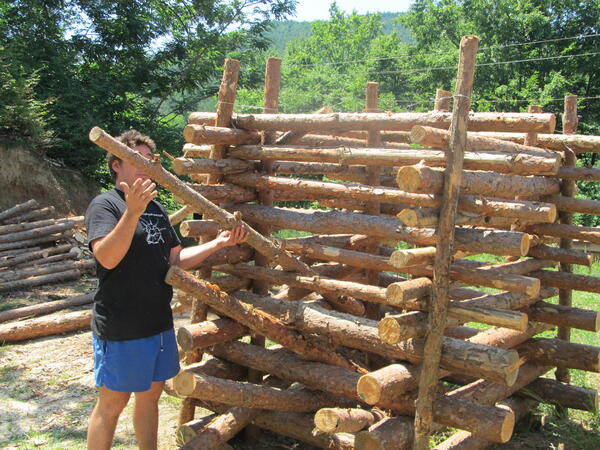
(67, 67)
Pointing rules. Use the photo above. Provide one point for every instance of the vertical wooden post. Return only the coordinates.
(373, 179)
(442, 100)
(568, 189)
(226, 100)
(445, 242)
(261, 287)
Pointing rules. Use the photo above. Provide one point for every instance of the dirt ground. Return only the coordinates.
(47, 393)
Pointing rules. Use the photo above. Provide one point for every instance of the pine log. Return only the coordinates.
(565, 231)
(340, 122)
(429, 217)
(35, 254)
(443, 100)
(297, 426)
(223, 193)
(196, 151)
(565, 255)
(412, 256)
(434, 137)
(207, 333)
(65, 275)
(578, 174)
(579, 143)
(361, 333)
(559, 353)
(229, 255)
(186, 166)
(19, 227)
(229, 283)
(522, 164)
(348, 420)
(45, 308)
(249, 395)
(564, 280)
(260, 322)
(551, 391)
(567, 316)
(428, 180)
(45, 326)
(575, 205)
(18, 209)
(193, 199)
(203, 134)
(36, 214)
(38, 240)
(44, 261)
(7, 254)
(21, 274)
(180, 215)
(494, 242)
(216, 367)
(392, 433)
(188, 431)
(197, 228)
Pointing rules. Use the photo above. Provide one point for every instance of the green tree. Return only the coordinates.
(129, 63)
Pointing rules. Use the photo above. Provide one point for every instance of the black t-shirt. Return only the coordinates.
(133, 300)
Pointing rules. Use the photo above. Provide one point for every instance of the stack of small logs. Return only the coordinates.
(345, 308)
(37, 249)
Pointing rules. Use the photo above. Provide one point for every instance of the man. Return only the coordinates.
(133, 338)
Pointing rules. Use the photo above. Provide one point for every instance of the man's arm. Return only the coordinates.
(189, 257)
(111, 249)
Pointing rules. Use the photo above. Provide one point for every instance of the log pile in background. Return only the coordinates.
(38, 249)
(353, 375)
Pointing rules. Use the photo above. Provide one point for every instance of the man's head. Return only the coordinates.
(123, 171)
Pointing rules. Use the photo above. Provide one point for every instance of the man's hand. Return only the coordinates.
(138, 195)
(233, 237)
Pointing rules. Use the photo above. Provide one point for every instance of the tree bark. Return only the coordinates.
(72, 274)
(186, 166)
(45, 326)
(564, 280)
(208, 333)
(36, 254)
(579, 143)
(559, 353)
(38, 240)
(45, 308)
(204, 134)
(36, 214)
(18, 209)
(567, 316)
(348, 420)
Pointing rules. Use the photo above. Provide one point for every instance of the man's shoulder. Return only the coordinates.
(106, 200)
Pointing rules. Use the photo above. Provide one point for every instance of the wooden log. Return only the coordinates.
(578, 174)
(188, 431)
(249, 395)
(197, 228)
(223, 193)
(46, 269)
(45, 308)
(575, 205)
(494, 242)
(186, 166)
(18, 209)
(39, 231)
(391, 433)
(179, 215)
(7, 254)
(38, 240)
(203, 134)
(19, 227)
(570, 256)
(193, 199)
(207, 333)
(272, 97)
(559, 353)
(567, 316)
(45, 326)
(551, 391)
(196, 151)
(361, 333)
(525, 164)
(36, 214)
(229, 255)
(564, 280)
(35, 254)
(348, 420)
(340, 122)
(214, 367)
(412, 256)
(41, 262)
(229, 283)
(262, 323)
(578, 143)
(423, 179)
(443, 100)
(321, 285)
(65, 275)
(429, 217)
(565, 231)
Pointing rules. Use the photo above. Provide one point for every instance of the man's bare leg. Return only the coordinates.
(103, 421)
(145, 416)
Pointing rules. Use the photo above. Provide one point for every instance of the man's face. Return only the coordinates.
(128, 173)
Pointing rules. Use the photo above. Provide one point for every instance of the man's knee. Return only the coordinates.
(152, 395)
(111, 403)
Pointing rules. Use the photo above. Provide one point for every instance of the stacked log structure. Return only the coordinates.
(333, 361)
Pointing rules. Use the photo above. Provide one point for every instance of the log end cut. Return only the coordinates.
(508, 424)
(417, 134)
(184, 383)
(368, 389)
(409, 179)
(389, 330)
(409, 218)
(326, 420)
(95, 134)
(185, 339)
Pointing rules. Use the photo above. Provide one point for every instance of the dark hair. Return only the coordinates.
(131, 138)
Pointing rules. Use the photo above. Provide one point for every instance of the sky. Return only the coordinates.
(308, 10)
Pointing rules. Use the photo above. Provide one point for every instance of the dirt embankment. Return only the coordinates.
(25, 174)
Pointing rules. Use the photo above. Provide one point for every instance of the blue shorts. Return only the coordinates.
(132, 366)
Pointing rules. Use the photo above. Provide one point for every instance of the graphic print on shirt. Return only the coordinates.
(150, 224)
